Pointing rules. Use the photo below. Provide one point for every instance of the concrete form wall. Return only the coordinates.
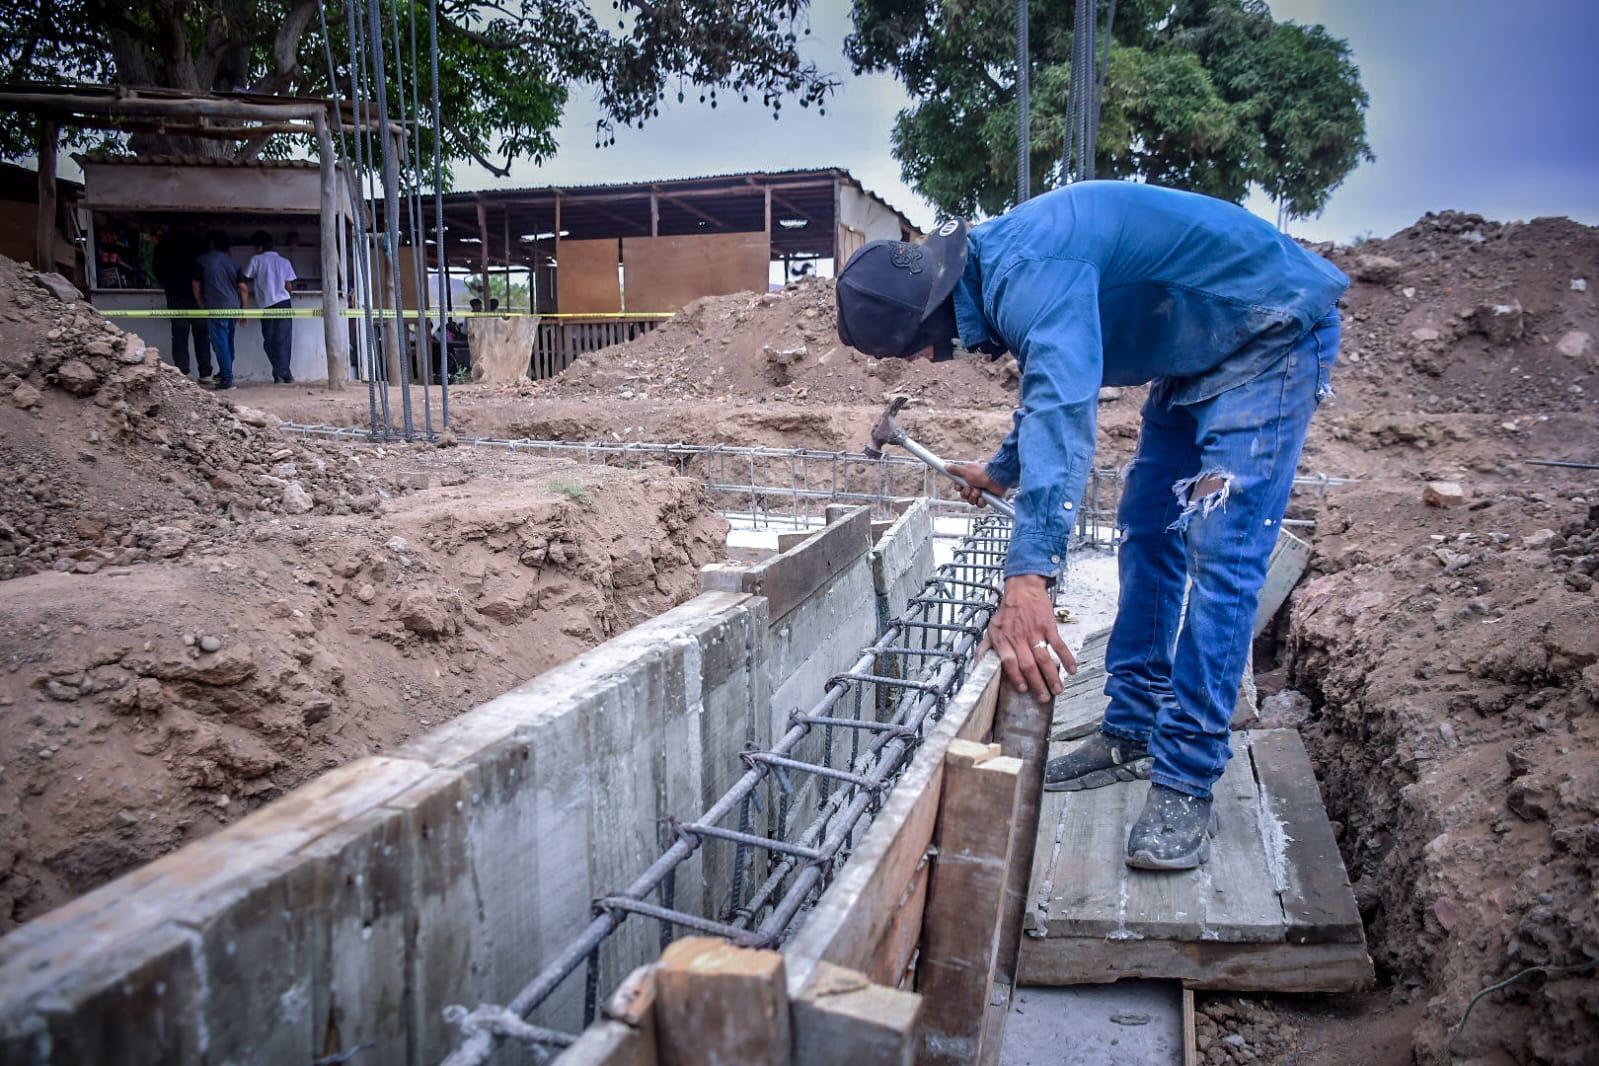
(358, 906)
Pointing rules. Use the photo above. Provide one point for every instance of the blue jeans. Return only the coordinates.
(222, 347)
(277, 338)
(1201, 509)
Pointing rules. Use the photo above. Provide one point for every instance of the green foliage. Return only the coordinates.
(505, 67)
(513, 297)
(1210, 95)
(575, 493)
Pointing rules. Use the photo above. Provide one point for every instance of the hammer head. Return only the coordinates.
(886, 430)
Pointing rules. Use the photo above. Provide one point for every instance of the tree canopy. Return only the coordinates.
(505, 65)
(1210, 95)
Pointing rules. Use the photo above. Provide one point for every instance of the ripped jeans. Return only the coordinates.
(1201, 510)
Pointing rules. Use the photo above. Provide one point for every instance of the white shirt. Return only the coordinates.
(270, 274)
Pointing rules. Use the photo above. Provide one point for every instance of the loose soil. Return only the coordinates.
(200, 613)
(1439, 661)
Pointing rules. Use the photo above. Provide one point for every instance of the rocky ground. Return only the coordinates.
(200, 613)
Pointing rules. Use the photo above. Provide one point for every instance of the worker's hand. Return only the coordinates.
(1023, 632)
(977, 482)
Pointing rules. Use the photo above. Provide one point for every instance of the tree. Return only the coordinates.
(1210, 95)
(505, 66)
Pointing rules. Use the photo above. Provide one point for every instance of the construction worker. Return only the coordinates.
(1236, 329)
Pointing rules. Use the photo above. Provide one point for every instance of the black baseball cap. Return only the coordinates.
(888, 288)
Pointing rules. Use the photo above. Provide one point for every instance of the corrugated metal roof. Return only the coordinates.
(644, 186)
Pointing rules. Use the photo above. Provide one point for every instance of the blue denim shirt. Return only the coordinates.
(1118, 283)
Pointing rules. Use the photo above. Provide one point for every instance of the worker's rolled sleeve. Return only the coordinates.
(1047, 310)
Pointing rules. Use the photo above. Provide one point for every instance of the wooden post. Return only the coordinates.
(483, 248)
(965, 896)
(720, 1005)
(842, 1017)
(334, 336)
(505, 241)
(655, 213)
(1022, 728)
(44, 244)
(555, 277)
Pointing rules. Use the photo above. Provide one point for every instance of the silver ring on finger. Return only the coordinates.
(1042, 644)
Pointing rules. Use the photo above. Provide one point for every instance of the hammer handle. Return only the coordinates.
(932, 460)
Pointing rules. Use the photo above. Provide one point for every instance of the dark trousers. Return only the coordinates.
(222, 344)
(183, 331)
(277, 338)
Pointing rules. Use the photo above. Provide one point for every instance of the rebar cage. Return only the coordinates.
(779, 835)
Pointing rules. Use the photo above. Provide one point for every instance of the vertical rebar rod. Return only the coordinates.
(438, 220)
(391, 201)
(1024, 118)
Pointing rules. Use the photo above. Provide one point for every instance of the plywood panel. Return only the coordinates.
(586, 282)
(664, 273)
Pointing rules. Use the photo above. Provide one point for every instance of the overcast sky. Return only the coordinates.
(1476, 106)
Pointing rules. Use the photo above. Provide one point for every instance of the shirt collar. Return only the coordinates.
(969, 318)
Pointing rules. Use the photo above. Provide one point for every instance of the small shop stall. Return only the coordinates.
(130, 203)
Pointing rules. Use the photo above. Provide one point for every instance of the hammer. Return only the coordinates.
(887, 430)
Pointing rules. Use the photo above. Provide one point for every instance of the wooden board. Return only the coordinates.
(962, 923)
(586, 278)
(1199, 964)
(1318, 904)
(1274, 887)
(665, 273)
(1288, 561)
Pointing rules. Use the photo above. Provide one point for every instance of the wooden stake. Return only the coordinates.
(1023, 732)
(965, 896)
(720, 1005)
(842, 1017)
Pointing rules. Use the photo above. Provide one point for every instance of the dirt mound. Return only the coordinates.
(781, 347)
(1451, 655)
(118, 458)
(202, 614)
(1453, 658)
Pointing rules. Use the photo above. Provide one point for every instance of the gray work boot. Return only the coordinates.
(1098, 761)
(1173, 833)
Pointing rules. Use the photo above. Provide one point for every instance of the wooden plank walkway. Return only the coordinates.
(1271, 911)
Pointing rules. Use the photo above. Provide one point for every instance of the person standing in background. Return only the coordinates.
(219, 285)
(270, 275)
(174, 264)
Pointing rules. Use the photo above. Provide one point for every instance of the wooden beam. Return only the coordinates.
(335, 334)
(1190, 1038)
(44, 244)
(767, 199)
(655, 214)
(721, 1005)
(842, 1017)
(964, 899)
(483, 245)
(1023, 733)
(691, 209)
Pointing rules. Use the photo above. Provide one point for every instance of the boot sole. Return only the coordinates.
(1144, 860)
(1137, 770)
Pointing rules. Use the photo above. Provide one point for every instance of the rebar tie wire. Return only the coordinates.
(798, 865)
